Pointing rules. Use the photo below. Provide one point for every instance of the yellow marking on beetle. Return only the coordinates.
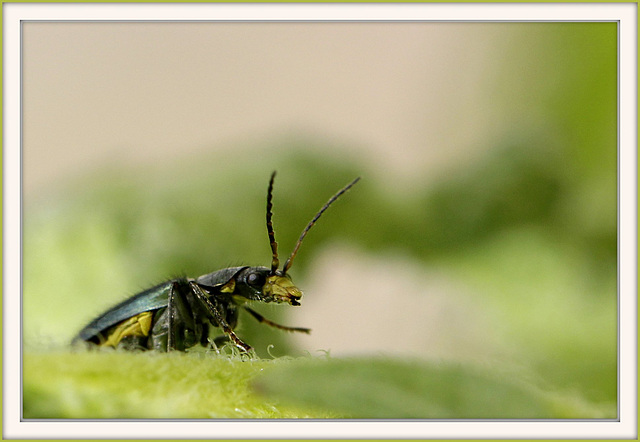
(138, 325)
(229, 287)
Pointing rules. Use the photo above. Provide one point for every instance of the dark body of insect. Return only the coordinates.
(179, 313)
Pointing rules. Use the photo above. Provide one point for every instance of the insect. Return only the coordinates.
(177, 314)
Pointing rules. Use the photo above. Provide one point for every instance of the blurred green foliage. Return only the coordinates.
(531, 226)
(380, 388)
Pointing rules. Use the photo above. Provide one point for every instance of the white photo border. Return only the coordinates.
(625, 14)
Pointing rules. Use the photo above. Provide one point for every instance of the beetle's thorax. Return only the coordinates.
(219, 276)
(253, 284)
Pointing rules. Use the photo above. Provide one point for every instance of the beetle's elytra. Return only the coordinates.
(178, 313)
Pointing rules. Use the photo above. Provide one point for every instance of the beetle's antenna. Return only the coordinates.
(272, 236)
(288, 262)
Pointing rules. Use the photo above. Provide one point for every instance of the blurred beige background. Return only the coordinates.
(134, 93)
(407, 100)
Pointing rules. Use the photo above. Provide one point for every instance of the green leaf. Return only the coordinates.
(120, 385)
(379, 388)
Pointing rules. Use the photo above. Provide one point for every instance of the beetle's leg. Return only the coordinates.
(174, 328)
(204, 337)
(264, 320)
(217, 315)
(178, 320)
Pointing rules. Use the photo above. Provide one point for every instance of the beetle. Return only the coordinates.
(177, 314)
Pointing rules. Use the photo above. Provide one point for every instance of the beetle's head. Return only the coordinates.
(261, 283)
(258, 284)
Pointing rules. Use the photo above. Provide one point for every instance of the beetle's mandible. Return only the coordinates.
(178, 313)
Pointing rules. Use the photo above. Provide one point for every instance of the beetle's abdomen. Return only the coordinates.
(136, 326)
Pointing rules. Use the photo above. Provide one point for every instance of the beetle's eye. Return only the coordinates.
(256, 279)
